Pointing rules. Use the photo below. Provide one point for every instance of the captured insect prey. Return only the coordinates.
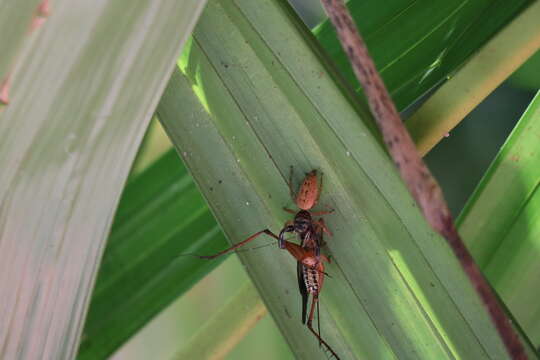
(310, 281)
(310, 267)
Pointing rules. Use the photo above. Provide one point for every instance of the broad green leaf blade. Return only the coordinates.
(161, 215)
(396, 289)
(501, 221)
(15, 20)
(417, 44)
(81, 100)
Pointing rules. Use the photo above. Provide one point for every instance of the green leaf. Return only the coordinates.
(396, 289)
(501, 221)
(483, 73)
(161, 215)
(417, 44)
(15, 20)
(82, 97)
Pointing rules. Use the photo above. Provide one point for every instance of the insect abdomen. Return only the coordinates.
(311, 279)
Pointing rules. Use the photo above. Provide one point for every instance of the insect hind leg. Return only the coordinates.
(315, 303)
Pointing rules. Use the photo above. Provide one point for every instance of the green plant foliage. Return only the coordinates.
(396, 289)
(417, 44)
(103, 334)
(82, 96)
(490, 66)
(161, 215)
(501, 222)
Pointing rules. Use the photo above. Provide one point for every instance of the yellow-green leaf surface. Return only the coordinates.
(268, 102)
(501, 222)
(82, 96)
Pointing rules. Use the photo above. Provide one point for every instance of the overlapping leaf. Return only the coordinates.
(81, 98)
(396, 289)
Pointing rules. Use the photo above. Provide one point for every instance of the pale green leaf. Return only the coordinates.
(81, 99)
(15, 21)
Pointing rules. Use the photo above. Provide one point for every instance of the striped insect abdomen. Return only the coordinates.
(311, 279)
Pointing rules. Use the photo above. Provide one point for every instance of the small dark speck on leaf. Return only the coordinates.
(211, 188)
(220, 181)
(287, 313)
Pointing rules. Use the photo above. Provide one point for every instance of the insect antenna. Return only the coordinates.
(188, 254)
(239, 250)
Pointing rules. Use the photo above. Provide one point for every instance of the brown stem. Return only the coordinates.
(412, 169)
